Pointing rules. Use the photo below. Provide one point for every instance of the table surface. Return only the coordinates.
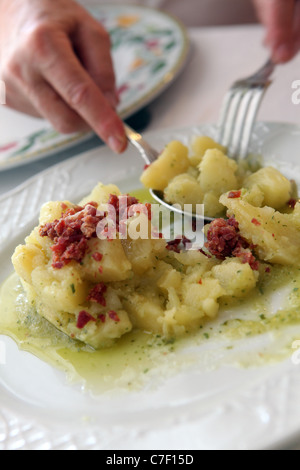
(219, 56)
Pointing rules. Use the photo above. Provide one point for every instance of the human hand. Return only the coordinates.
(55, 61)
(282, 21)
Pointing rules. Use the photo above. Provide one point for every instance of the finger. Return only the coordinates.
(278, 17)
(281, 31)
(16, 99)
(50, 106)
(92, 45)
(67, 77)
(21, 105)
(297, 27)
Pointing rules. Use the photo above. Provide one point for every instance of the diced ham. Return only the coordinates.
(83, 319)
(97, 294)
(70, 234)
(225, 241)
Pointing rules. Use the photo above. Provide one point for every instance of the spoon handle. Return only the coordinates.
(148, 153)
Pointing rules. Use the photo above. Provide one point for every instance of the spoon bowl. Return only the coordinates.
(149, 155)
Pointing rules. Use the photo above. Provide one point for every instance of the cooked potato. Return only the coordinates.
(212, 205)
(207, 173)
(199, 145)
(236, 278)
(145, 312)
(203, 296)
(217, 172)
(26, 259)
(276, 188)
(52, 210)
(60, 289)
(100, 194)
(184, 189)
(254, 196)
(276, 236)
(173, 161)
(114, 265)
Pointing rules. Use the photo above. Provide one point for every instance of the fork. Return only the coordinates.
(148, 153)
(239, 111)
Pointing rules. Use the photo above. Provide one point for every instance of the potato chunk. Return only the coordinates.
(100, 194)
(277, 189)
(203, 296)
(52, 210)
(237, 279)
(27, 258)
(199, 145)
(61, 289)
(276, 236)
(217, 173)
(173, 161)
(112, 267)
(184, 189)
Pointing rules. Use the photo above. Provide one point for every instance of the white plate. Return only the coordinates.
(149, 50)
(222, 408)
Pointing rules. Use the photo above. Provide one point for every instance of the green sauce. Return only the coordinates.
(143, 195)
(124, 366)
(138, 359)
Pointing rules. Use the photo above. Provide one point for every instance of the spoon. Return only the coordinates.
(149, 155)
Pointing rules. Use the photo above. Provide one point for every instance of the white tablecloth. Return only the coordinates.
(219, 56)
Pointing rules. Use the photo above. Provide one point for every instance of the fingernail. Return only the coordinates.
(117, 144)
(283, 53)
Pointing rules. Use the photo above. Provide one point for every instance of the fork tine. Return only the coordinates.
(249, 121)
(232, 113)
(239, 111)
(226, 111)
(244, 123)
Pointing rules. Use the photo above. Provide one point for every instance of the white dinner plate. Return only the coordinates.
(149, 50)
(200, 407)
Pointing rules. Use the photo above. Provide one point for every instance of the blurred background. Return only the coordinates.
(200, 12)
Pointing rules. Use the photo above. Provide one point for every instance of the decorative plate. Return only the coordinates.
(214, 405)
(149, 50)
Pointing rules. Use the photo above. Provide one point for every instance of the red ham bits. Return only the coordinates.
(83, 319)
(225, 241)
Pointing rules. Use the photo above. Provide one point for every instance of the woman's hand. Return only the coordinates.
(55, 61)
(282, 21)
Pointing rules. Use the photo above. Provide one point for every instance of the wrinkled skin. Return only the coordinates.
(55, 61)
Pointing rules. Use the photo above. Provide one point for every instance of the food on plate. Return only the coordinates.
(275, 236)
(96, 285)
(99, 269)
(202, 173)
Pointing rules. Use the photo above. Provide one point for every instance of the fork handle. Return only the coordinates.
(264, 73)
(148, 153)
